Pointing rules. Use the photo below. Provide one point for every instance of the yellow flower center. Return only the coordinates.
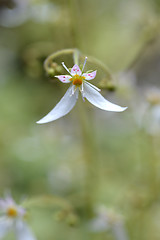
(12, 212)
(77, 80)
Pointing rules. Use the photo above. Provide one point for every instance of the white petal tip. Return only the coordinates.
(62, 108)
(43, 121)
(39, 122)
(124, 108)
(94, 97)
(121, 109)
(115, 108)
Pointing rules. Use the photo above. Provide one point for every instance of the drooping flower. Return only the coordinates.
(12, 219)
(79, 82)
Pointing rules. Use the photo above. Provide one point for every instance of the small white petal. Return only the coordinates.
(64, 78)
(5, 225)
(65, 105)
(3, 204)
(99, 101)
(21, 211)
(89, 76)
(76, 70)
(22, 231)
(9, 200)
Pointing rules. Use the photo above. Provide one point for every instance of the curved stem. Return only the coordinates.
(50, 58)
(101, 65)
(76, 57)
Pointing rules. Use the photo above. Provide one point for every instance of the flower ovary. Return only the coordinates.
(12, 212)
(77, 80)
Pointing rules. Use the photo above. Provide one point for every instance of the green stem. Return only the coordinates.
(148, 38)
(76, 57)
(154, 181)
(88, 152)
(73, 7)
(101, 65)
(90, 158)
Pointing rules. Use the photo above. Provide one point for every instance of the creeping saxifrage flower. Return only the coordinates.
(12, 219)
(79, 82)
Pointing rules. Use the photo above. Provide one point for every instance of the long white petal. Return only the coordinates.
(5, 225)
(22, 231)
(94, 97)
(64, 78)
(65, 105)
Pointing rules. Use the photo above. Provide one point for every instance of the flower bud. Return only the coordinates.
(53, 69)
(72, 220)
(108, 85)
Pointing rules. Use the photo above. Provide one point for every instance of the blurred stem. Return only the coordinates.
(154, 179)
(148, 37)
(76, 57)
(119, 231)
(75, 17)
(153, 184)
(73, 7)
(148, 175)
(47, 201)
(141, 52)
(101, 65)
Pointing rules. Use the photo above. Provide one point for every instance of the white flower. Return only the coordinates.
(12, 219)
(105, 220)
(79, 82)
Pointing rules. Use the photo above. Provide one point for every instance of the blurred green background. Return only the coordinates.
(51, 159)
